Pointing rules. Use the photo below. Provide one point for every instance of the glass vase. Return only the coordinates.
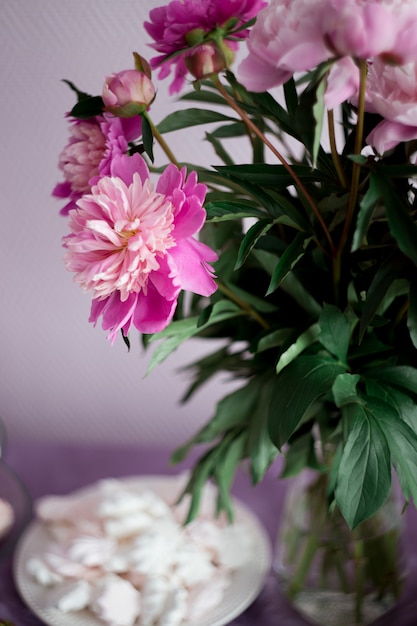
(334, 576)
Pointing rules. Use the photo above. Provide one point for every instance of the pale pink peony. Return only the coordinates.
(181, 24)
(92, 145)
(358, 28)
(392, 92)
(132, 245)
(128, 93)
(286, 38)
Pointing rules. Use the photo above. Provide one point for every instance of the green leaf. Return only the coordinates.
(299, 456)
(294, 252)
(225, 470)
(364, 477)
(261, 450)
(402, 442)
(344, 390)
(88, 107)
(310, 113)
(81, 95)
(367, 206)
(255, 232)
(291, 96)
(412, 313)
(385, 276)
(335, 331)
(401, 376)
(147, 137)
(233, 410)
(269, 175)
(179, 331)
(273, 339)
(296, 388)
(260, 304)
(203, 95)
(219, 149)
(306, 339)
(221, 211)
(190, 117)
(402, 226)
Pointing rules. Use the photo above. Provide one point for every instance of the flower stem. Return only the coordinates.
(357, 150)
(249, 124)
(165, 147)
(335, 155)
(242, 304)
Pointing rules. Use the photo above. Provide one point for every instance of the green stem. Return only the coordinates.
(242, 304)
(353, 196)
(249, 124)
(165, 147)
(310, 549)
(335, 154)
(359, 579)
(357, 150)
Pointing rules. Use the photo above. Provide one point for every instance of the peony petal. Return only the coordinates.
(153, 312)
(124, 167)
(258, 76)
(386, 135)
(191, 258)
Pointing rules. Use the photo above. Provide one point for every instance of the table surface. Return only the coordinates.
(61, 468)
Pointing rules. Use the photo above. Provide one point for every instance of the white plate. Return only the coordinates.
(247, 581)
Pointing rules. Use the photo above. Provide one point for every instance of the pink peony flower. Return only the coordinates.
(128, 93)
(286, 38)
(392, 92)
(358, 28)
(92, 145)
(132, 245)
(183, 24)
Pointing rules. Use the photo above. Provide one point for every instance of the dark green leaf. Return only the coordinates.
(190, 117)
(412, 313)
(147, 137)
(291, 96)
(261, 450)
(299, 456)
(293, 253)
(296, 388)
(402, 442)
(383, 279)
(270, 175)
(81, 95)
(219, 149)
(367, 205)
(226, 210)
(344, 390)
(255, 232)
(402, 226)
(364, 477)
(274, 339)
(225, 470)
(310, 113)
(401, 376)
(203, 95)
(303, 341)
(88, 107)
(335, 331)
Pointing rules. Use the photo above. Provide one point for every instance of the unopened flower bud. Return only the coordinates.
(208, 59)
(128, 93)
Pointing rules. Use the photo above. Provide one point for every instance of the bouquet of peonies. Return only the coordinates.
(302, 258)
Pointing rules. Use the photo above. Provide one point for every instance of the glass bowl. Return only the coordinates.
(15, 494)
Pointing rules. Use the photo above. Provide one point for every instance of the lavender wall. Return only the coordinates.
(60, 377)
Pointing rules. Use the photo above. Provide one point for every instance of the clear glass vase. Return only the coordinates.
(334, 576)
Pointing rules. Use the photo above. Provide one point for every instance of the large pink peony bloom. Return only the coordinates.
(178, 26)
(287, 38)
(132, 245)
(91, 147)
(392, 92)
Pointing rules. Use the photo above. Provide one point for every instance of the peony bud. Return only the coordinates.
(208, 59)
(128, 93)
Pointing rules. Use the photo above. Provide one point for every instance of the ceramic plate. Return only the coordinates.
(247, 581)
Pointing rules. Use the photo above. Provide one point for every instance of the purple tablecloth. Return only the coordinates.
(59, 469)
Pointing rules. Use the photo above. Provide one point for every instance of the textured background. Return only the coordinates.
(60, 377)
